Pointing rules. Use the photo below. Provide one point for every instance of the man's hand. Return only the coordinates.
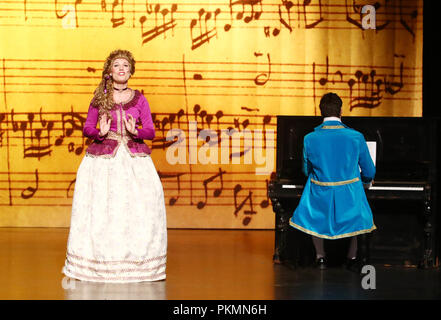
(368, 185)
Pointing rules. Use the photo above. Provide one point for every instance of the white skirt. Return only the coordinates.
(118, 230)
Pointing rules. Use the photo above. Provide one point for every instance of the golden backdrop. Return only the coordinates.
(206, 68)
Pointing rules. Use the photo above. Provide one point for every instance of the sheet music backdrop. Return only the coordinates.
(216, 75)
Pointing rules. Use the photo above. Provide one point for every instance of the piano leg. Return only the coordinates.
(281, 232)
(277, 242)
(427, 259)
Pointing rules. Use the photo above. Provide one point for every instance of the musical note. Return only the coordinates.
(238, 206)
(70, 187)
(219, 114)
(158, 29)
(287, 5)
(32, 149)
(161, 125)
(29, 192)
(368, 96)
(68, 15)
(265, 202)
(217, 192)
(262, 78)
(286, 21)
(120, 20)
(25, 7)
(64, 12)
(249, 109)
(369, 88)
(76, 123)
(162, 175)
(197, 76)
(365, 87)
(204, 34)
(2, 117)
(393, 87)
(408, 26)
(13, 122)
(241, 14)
(236, 133)
(204, 117)
(325, 80)
(253, 15)
(77, 2)
(209, 136)
(266, 121)
(313, 24)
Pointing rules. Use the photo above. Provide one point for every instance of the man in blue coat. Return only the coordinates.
(333, 204)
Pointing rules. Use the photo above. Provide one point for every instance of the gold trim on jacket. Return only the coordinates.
(337, 183)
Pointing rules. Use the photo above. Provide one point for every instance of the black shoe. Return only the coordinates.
(353, 265)
(320, 263)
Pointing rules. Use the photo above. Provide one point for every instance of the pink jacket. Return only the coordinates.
(107, 145)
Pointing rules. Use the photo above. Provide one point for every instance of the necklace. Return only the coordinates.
(120, 89)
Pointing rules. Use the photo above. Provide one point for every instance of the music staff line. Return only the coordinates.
(73, 173)
(243, 195)
(9, 75)
(206, 6)
(225, 190)
(213, 3)
(285, 20)
(40, 137)
(232, 94)
(283, 68)
(198, 62)
(368, 82)
(215, 95)
(69, 205)
(182, 27)
(77, 119)
(202, 80)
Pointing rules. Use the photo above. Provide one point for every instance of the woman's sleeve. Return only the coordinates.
(90, 129)
(148, 130)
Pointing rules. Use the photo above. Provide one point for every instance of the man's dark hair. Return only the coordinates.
(330, 105)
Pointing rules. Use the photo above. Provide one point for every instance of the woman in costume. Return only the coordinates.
(118, 229)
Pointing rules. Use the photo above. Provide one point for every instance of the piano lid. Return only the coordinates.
(406, 147)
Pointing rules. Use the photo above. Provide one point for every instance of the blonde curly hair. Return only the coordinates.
(103, 94)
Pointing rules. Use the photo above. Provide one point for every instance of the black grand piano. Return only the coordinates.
(403, 196)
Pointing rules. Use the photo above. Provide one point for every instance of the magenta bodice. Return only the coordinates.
(107, 145)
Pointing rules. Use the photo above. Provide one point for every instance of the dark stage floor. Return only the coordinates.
(338, 283)
(201, 265)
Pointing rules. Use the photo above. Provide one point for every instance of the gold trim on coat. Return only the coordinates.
(338, 183)
(344, 235)
(332, 127)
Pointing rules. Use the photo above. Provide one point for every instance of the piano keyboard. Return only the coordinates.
(292, 186)
(397, 188)
(299, 186)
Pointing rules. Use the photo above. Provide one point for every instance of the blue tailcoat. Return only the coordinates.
(333, 204)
